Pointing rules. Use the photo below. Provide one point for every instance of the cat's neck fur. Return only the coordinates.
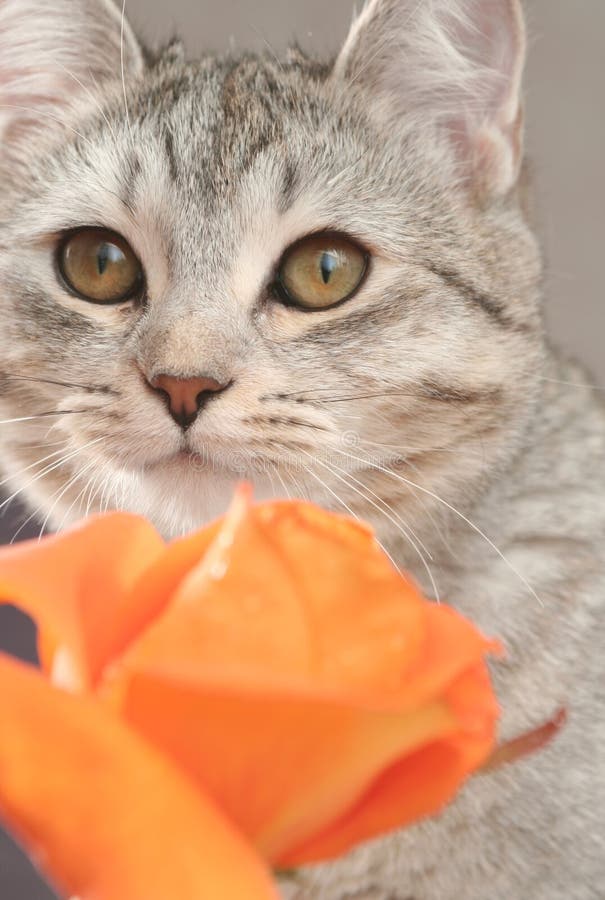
(537, 495)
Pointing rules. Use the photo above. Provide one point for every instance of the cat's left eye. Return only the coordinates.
(99, 266)
(321, 271)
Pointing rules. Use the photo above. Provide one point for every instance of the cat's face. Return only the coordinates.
(206, 175)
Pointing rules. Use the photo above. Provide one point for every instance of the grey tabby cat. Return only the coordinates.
(321, 277)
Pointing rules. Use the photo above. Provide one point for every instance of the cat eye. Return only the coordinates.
(321, 271)
(99, 266)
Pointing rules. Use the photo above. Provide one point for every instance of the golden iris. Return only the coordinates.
(321, 271)
(100, 266)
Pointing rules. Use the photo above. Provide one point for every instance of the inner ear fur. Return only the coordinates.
(456, 65)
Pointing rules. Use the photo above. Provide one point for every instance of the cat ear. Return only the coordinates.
(456, 64)
(51, 55)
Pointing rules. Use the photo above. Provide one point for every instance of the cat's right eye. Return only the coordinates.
(99, 266)
(321, 271)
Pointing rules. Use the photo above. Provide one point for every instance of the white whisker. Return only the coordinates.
(423, 503)
(24, 524)
(92, 97)
(33, 465)
(46, 115)
(47, 470)
(348, 509)
(105, 494)
(123, 71)
(576, 384)
(32, 418)
(403, 528)
(457, 513)
(94, 492)
(79, 501)
(300, 492)
(61, 493)
(282, 482)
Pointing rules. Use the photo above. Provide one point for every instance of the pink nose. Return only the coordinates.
(186, 396)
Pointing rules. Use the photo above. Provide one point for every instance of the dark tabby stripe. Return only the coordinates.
(290, 186)
(132, 173)
(170, 155)
(444, 393)
(496, 311)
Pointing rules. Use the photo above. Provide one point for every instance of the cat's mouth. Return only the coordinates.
(201, 461)
(236, 465)
(191, 458)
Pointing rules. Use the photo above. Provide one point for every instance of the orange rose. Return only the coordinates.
(105, 814)
(277, 659)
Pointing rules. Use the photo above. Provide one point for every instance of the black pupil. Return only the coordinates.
(108, 253)
(327, 266)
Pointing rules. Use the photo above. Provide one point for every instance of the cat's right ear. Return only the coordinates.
(54, 54)
(453, 66)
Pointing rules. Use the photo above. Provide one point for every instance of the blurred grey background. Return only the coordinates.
(566, 141)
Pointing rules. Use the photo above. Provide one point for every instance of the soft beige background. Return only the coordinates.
(566, 118)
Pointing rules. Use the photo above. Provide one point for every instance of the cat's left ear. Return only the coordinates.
(53, 55)
(455, 66)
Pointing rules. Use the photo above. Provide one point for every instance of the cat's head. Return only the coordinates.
(316, 277)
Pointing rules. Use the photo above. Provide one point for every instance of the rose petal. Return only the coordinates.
(418, 785)
(294, 596)
(103, 813)
(160, 578)
(281, 767)
(452, 645)
(228, 738)
(76, 586)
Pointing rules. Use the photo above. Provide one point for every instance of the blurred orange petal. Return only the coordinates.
(416, 786)
(77, 588)
(288, 595)
(422, 783)
(452, 646)
(104, 814)
(153, 590)
(281, 766)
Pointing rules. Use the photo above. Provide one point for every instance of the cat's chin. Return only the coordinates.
(188, 491)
